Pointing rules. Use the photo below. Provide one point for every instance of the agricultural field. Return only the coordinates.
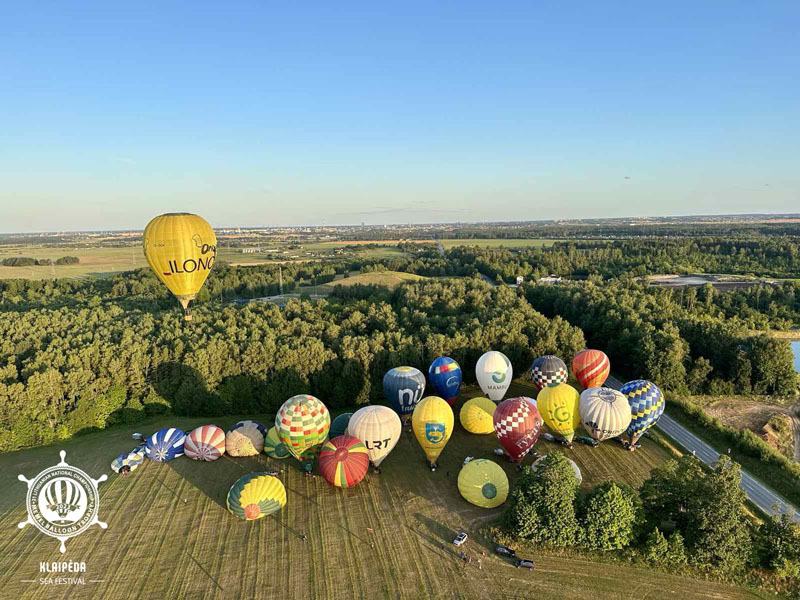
(506, 243)
(390, 279)
(170, 536)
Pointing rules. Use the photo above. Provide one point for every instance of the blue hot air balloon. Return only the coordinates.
(404, 387)
(165, 444)
(647, 405)
(445, 376)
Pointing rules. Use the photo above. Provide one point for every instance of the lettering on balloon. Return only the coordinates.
(378, 444)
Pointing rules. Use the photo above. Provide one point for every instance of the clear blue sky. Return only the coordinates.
(343, 112)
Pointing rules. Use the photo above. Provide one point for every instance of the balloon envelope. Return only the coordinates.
(129, 461)
(404, 386)
(303, 423)
(591, 368)
(559, 408)
(244, 440)
(483, 483)
(339, 425)
(548, 371)
(378, 428)
(181, 249)
(445, 375)
(256, 495)
(343, 461)
(494, 374)
(517, 425)
(261, 428)
(647, 405)
(605, 413)
(165, 444)
(206, 442)
(476, 415)
(273, 446)
(432, 422)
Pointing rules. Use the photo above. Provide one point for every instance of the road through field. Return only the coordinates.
(759, 494)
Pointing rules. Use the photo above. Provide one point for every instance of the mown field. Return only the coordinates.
(170, 536)
(387, 278)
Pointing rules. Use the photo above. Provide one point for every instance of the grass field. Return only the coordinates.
(170, 536)
(508, 243)
(388, 278)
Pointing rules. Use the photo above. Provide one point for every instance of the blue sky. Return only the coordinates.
(317, 112)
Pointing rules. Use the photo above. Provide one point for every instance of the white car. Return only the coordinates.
(460, 539)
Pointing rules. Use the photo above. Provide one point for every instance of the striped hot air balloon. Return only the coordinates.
(647, 405)
(206, 442)
(245, 439)
(344, 461)
(273, 446)
(165, 444)
(548, 371)
(591, 368)
(256, 495)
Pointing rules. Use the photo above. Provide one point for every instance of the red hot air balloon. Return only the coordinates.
(344, 461)
(591, 368)
(517, 424)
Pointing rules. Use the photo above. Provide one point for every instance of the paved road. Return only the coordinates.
(759, 493)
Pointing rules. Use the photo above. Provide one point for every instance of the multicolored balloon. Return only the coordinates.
(344, 461)
(494, 374)
(517, 425)
(206, 442)
(483, 483)
(445, 375)
(591, 368)
(378, 428)
(605, 413)
(273, 446)
(647, 405)
(303, 423)
(245, 439)
(476, 415)
(559, 407)
(404, 387)
(432, 422)
(165, 444)
(548, 371)
(256, 495)
(339, 425)
(128, 461)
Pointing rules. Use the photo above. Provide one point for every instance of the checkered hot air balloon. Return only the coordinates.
(303, 423)
(344, 461)
(165, 444)
(517, 425)
(256, 495)
(647, 405)
(206, 442)
(548, 371)
(591, 368)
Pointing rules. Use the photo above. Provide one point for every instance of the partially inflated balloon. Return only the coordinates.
(483, 483)
(165, 444)
(303, 423)
(339, 425)
(128, 461)
(180, 248)
(476, 415)
(432, 422)
(591, 368)
(404, 386)
(256, 495)
(206, 442)
(517, 425)
(494, 374)
(378, 428)
(343, 461)
(605, 413)
(647, 405)
(559, 408)
(548, 371)
(245, 439)
(273, 446)
(445, 375)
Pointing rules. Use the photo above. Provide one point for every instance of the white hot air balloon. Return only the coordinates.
(494, 374)
(378, 428)
(605, 413)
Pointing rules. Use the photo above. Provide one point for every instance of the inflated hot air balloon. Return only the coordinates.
(256, 495)
(128, 461)
(476, 415)
(445, 376)
(339, 425)
(273, 446)
(532, 402)
(494, 373)
(404, 386)
(559, 407)
(261, 428)
(432, 422)
(165, 444)
(344, 461)
(591, 368)
(647, 405)
(517, 425)
(605, 413)
(245, 439)
(303, 423)
(537, 463)
(206, 442)
(548, 371)
(378, 428)
(180, 248)
(483, 483)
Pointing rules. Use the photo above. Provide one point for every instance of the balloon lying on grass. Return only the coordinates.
(128, 461)
(591, 368)
(605, 413)
(647, 405)
(303, 422)
(256, 495)
(206, 442)
(343, 461)
(273, 446)
(476, 415)
(339, 425)
(404, 387)
(517, 425)
(261, 428)
(445, 375)
(378, 428)
(432, 423)
(494, 374)
(245, 439)
(548, 371)
(181, 249)
(165, 444)
(483, 483)
(559, 408)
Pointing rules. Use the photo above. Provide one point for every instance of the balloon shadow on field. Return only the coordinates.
(437, 535)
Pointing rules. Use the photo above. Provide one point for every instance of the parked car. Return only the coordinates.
(549, 437)
(460, 539)
(505, 551)
(524, 563)
(586, 440)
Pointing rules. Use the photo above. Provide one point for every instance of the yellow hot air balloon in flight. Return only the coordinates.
(559, 407)
(432, 421)
(180, 248)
